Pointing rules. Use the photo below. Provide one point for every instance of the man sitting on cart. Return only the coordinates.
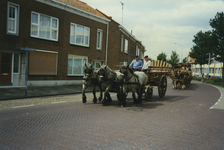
(136, 64)
(146, 65)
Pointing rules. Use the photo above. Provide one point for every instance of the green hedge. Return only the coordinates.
(197, 78)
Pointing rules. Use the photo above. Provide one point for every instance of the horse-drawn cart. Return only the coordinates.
(157, 76)
(181, 76)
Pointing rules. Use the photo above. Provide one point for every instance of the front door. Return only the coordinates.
(5, 68)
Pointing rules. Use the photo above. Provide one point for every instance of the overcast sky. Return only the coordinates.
(161, 23)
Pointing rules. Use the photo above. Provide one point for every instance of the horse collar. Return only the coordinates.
(130, 77)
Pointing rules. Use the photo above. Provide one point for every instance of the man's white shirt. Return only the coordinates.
(146, 64)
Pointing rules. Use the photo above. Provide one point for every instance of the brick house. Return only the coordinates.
(61, 36)
(122, 45)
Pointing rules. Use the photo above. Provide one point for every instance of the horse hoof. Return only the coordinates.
(94, 100)
(84, 100)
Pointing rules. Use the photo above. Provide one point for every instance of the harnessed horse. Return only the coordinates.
(90, 79)
(134, 82)
(109, 79)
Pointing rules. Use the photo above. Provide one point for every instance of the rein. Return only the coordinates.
(130, 79)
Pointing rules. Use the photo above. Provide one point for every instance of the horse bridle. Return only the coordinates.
(88, 73)
(104, 76)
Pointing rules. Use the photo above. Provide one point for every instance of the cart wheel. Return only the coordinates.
(162, 86)
(148, 94)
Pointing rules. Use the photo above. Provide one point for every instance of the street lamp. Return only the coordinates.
(181, 51)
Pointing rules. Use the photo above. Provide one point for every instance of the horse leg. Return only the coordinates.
(123, 96)
(107, 95)
(101, 95)
(84, 87)
(94, 95)
(140, 95)
(133, 95)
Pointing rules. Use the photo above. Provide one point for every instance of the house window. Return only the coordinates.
(126, 46)
(211, 70)
(122, 43)
(99, 39)
(16, 65)
(13, 19)
(76, 65)
(98, 63)
(138, 52)
(44, 27)
(79, 35)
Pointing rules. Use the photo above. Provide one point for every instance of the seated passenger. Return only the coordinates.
(146, 65)
(136, 64)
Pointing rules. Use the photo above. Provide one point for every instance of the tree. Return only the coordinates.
(202, 47)
(184, 60)
(162, 56)
(217, 24)
(174, 59)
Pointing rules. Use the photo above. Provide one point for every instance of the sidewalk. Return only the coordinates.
(19, 92)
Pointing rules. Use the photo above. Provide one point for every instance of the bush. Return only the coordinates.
(217, 79)
(197, 78)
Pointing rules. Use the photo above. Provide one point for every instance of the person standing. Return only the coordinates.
(147, 63)
(136, 64)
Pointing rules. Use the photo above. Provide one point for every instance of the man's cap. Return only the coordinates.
(136, 56)
(146, 56)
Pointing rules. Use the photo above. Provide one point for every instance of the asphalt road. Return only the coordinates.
(183, 119)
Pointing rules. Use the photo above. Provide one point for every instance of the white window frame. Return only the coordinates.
(80, 57)
(85, 28)
(122, 43)
(126, 46)
(13, 56)
(17, 8)
(96, 65)
(137, 50)
(100, 38)
(101, 62)
(38, 27)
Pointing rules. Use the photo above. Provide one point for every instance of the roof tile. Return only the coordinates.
(82, 5)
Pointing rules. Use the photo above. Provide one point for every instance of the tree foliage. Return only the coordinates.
(184, 60)
(202, 47)
(174, 59)
(162, 56)
(217, 24)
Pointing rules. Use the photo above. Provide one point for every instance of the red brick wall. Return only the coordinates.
(62, 46)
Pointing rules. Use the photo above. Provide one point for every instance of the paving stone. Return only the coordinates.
(181, 120)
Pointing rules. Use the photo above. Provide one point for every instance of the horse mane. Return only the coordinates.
(130, 70)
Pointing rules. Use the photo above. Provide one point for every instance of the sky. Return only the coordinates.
(161, 23)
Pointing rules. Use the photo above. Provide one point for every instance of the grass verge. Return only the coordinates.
(216, 81)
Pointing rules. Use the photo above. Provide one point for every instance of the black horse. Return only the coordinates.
(109, 80)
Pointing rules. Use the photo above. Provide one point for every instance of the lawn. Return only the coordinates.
(217, 81)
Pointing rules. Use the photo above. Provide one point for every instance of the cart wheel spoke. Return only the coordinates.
(162, 86)
(148, 94)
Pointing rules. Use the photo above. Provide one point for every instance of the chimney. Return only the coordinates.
(131, 32)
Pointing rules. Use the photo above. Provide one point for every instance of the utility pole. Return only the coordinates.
(122, 13)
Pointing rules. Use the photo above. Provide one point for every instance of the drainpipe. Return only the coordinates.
(129, 44)
(107, 44)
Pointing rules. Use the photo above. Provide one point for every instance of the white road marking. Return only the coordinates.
(23, 106)
(219, 98)
(58, 102)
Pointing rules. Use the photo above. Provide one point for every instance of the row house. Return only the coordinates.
(60, 36)
(122, 45)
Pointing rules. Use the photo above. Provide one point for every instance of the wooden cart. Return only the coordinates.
(157, 76)
(181, 76)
